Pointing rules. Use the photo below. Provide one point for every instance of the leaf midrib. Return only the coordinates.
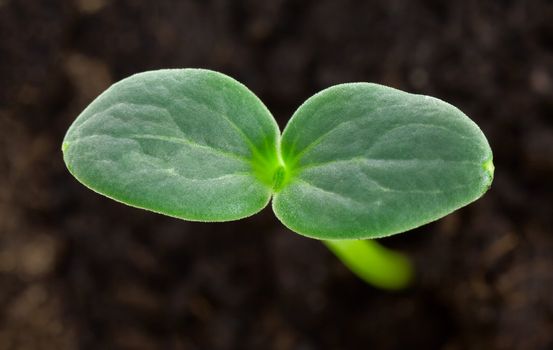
(341, 125)
(381, 162)
(172, 139)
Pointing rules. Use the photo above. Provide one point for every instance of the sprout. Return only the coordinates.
(356, 161)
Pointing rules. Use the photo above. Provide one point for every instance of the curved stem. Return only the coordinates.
(374, 263)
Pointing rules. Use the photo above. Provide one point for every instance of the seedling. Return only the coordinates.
(356, 161)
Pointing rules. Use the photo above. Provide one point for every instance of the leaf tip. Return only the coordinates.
(489, 169)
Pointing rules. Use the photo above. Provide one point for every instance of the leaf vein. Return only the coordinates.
(332, 193)
(381, 162)
(177, 140)
(341, 124)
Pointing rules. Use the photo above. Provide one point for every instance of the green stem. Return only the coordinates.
(374, 263)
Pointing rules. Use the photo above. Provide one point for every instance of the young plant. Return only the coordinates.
(356, 161)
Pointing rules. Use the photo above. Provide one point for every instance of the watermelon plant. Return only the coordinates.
(356, 161)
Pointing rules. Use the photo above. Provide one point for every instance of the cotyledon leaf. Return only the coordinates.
(189, 143)
(367, 161)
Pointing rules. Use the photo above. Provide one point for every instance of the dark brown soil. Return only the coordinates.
(78, 271)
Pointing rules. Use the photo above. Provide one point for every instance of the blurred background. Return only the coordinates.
(79, 271)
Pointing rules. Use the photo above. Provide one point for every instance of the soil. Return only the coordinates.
(78, 271)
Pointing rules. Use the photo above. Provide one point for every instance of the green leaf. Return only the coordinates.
(366, 161)
(188, 143)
